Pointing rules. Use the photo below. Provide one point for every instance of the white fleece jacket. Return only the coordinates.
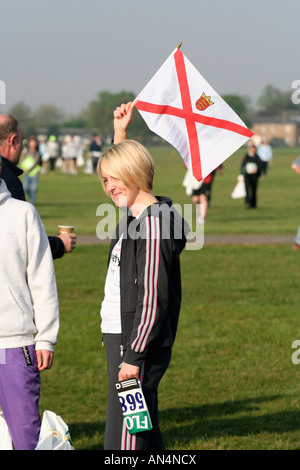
(29, 311)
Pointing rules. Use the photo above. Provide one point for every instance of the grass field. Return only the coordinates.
(74, 200)
(231, 383)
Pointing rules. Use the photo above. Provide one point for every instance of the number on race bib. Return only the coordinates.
(133, 405)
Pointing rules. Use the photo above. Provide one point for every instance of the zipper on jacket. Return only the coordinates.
(135, 264)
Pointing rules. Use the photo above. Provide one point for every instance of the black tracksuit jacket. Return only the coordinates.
(150, 279)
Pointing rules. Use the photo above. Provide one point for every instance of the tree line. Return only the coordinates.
(97, 116)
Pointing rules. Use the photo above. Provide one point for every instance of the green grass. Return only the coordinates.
(231, 383)
(65, 199)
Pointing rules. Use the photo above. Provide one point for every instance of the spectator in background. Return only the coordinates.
(52, 152)
(202, 196)
(95, 152)
(251, 169)
(64, 148)
(11, 146)
(265, 153)
(70, 156)
(42, 150)
(30, 164)
(296, 168)
(200, 192)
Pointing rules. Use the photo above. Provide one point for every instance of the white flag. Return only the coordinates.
(181, 107)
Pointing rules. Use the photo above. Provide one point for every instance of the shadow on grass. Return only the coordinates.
(88, 432)
(185, 425)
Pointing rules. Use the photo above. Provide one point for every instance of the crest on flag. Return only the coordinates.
(203, 102)
(170, 106)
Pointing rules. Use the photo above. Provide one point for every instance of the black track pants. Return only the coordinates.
(117, 436)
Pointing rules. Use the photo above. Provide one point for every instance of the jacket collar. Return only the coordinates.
(16, 170)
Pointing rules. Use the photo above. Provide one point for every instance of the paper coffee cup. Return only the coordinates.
(65, 229)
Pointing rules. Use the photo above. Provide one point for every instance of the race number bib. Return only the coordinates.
(134, 407)
(251, 168)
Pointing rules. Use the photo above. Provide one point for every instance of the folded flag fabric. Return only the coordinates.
(181, 107)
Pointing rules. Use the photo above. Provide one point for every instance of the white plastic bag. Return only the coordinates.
(190, 183)
(54, 434)
(239, 191)
(80, 160)
(88, 169)
(58, 163)
(5, 437)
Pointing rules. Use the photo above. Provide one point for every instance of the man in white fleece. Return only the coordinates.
(29, 316)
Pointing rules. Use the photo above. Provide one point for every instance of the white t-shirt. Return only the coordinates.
(111, 306)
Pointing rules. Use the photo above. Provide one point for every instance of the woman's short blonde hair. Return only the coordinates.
(130, 162)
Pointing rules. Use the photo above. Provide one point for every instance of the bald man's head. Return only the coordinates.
(11, 137)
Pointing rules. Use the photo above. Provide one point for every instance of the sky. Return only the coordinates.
(64, 52)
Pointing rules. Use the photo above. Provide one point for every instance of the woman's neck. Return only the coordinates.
(143, 200)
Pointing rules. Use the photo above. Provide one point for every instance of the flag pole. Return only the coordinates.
(179, 45)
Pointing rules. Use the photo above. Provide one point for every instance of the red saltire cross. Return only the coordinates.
(190, 117)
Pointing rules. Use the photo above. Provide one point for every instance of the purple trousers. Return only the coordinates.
(19, 395)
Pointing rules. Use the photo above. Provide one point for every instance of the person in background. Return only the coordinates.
(265, 153)
(251, 169)
(70, 156)
(43, 153)
(201, 197)
(52, 152)
(29, 316)
(95, 152)
(11, 146)
(296, 168)
(30, 164)
(64, 147)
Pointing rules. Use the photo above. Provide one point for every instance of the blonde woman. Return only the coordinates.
(139, 313)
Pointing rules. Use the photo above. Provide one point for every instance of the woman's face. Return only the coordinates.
(122, 195)
(32, 144)
(252, 150)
